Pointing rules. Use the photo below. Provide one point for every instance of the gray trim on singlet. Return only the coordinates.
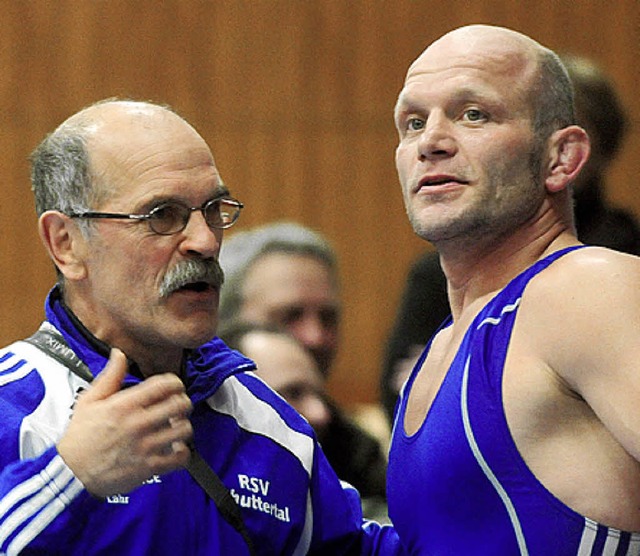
(484, 466)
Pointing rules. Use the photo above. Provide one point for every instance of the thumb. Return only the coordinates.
(110, 378)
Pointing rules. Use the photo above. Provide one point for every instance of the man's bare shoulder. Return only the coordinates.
(581, 317)
(585, 304)
(591, 276)
(572, 382)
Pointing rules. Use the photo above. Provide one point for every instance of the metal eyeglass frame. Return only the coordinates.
(149, 217)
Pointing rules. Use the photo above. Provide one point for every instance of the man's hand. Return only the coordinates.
(116, 438)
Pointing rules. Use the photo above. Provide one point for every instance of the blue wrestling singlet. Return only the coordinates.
(458, 486)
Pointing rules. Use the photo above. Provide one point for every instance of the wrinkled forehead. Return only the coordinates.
(137, 143)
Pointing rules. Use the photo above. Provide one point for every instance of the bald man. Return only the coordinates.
(175, 448)
(518, 431)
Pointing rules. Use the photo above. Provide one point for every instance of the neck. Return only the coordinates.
(479, 270)
(144, 360)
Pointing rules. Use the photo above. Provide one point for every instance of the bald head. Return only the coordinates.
(533, 71)
(500, 50)
(102, 110)
(123, 137)
(480, 40)
(97, 150)
(120, 121)
(484, 105)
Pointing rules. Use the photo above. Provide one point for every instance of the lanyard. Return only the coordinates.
(51, 342)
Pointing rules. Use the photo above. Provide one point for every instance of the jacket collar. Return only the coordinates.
(205, 368)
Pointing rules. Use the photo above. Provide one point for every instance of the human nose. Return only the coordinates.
(199, 238)
(315, 410)
(311, 332)
(436, 140)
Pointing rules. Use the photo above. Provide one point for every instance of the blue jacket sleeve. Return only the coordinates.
(339, 527)
(42, 505)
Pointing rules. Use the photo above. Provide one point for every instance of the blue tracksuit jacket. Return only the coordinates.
(264, 452)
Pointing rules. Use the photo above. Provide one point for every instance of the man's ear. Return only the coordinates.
(64, 242)
(569, 150)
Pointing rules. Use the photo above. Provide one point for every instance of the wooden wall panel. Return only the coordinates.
(295, 97)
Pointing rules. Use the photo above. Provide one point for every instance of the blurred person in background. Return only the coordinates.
(285, 274)
(290, 369)
(285, 365)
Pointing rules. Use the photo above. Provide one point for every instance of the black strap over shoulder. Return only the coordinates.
(213, 486)
(51, 342)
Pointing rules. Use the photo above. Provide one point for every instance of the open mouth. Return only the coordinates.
(436, 182)
(193, 276)
(197, 287)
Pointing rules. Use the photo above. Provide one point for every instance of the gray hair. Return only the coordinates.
(60, 173)
(552, 96)
(61, 176)
(242, 249)
(552, 101)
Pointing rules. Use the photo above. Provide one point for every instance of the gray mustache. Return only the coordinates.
(193, 270)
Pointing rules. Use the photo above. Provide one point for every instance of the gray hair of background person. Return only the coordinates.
(243, 248)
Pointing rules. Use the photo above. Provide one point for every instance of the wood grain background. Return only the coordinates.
(295, 98)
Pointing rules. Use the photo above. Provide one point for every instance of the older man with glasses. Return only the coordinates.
(174, 448)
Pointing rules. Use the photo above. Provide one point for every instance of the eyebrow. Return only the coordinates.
(220, 191)
(402, 107)
(407, 104)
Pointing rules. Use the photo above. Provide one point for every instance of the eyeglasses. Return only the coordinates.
(172, 217)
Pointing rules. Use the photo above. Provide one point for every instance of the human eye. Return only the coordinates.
(415, 124)
(166, 217)
(213, 207)
(290, 315)
(164, 211)
(474, 115)
(292, 393)
(329, 318)
(221, 212)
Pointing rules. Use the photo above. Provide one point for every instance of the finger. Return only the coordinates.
(179, 431)
(110, 378)
(162, 414)
(154, 390)
(170, 447)
(175, 455)
(181, 452)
